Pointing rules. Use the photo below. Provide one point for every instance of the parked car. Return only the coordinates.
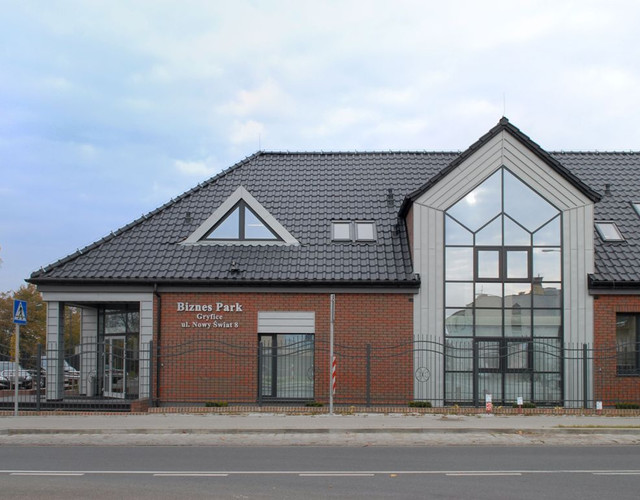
(71, 375)
(7, 376)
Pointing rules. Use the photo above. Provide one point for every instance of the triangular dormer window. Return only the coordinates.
(241, 220)
(241, 223)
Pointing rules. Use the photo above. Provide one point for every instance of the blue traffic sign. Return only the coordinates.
(20, 312)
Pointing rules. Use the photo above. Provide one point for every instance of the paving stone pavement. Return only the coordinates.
(263, 429)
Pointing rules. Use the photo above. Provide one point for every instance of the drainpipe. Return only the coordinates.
(156, 344)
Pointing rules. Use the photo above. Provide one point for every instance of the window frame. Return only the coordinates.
(353, 231)
(503, 252)
(600, 231)
(242, 207)
(634, 371)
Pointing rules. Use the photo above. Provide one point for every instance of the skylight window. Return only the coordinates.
(241, 223)
(353, 231)
(636, 206)
(609, 231)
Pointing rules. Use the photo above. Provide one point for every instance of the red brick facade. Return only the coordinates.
(219, 363)
(609, 387)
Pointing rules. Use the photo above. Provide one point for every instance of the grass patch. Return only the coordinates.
(419, 404)
(628, 406)
(216, 404)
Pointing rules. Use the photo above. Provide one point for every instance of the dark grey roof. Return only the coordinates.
(617, 264)
(304, 192)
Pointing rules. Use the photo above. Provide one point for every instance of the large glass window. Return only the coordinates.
(628, 344)
(503, 289)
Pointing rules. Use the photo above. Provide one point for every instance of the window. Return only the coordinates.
(353, 231)
(503, 293)
(608, 231)
(636, 206)
(628, 344)
(241, 223)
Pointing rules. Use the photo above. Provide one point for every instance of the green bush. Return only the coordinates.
(419, 404)
(216, 404)
(628, 406)
(314, 404)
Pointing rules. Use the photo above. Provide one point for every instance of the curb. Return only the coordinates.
(377, 430)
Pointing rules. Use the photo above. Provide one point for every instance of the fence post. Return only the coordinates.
(38, 375)
(259, 373)
(150, 389)
(585, 376)
(368, 375)
(474, 353)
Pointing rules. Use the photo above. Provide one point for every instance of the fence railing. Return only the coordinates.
(296, 369)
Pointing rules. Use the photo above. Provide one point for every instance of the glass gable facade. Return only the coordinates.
(503, 295)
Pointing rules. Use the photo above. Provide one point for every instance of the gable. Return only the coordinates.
(506, 150)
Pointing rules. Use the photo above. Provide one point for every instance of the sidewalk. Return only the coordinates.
(278, 429)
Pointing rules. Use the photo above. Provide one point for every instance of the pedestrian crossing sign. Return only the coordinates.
(20, 312)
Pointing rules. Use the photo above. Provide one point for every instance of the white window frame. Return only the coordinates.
(601, 231)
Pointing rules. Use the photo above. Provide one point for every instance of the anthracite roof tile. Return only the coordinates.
(304, 192)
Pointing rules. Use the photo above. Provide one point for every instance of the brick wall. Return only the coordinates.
(609, 387)
(199, 363)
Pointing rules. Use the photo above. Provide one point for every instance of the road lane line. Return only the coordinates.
(189, 474)
(484, 474)
(336, 474)
(47, 474)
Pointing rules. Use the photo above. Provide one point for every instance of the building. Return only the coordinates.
(503, 270)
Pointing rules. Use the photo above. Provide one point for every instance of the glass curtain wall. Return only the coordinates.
(503, 295)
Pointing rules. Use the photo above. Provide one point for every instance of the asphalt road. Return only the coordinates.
(321, 472)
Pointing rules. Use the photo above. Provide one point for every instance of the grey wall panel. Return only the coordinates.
(286, 322)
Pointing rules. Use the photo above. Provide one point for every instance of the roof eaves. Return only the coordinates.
(141, 219)
(401, 283)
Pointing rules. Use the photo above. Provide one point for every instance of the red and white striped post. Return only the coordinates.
(333, 376)
(332, 358)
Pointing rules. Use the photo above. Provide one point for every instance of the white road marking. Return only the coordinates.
(189, 474)
(616, 473)
(47, 474)
(484, 474)
(26, 472)
(336, 474)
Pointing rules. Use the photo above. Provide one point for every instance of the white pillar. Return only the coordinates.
(89, 351)
(55, 351)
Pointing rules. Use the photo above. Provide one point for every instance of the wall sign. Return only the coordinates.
(209, 316)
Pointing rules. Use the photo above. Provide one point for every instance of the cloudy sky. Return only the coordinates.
(110, 108)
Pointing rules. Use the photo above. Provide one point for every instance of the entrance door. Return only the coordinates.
(504, 370)
(115, 367)
(286, 366)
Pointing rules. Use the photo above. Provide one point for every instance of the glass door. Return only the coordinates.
(115, 367)
(286, 366)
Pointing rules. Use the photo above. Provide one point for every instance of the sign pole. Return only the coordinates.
(332, 319)
(16, 371)
(19, 318)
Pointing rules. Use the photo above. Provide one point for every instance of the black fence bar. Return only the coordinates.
(109, 374)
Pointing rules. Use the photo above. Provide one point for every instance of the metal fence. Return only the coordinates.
(296, 369)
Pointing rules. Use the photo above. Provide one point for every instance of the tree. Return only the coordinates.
(31, 334)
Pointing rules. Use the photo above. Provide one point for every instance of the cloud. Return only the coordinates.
(249, 131)
(266, 99)
(195, 168)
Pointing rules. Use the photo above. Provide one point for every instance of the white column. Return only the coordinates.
(55, 350)
(89, 351)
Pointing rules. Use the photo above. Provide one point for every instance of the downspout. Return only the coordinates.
(157, 344)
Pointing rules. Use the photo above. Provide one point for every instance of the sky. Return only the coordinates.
(109, 109)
